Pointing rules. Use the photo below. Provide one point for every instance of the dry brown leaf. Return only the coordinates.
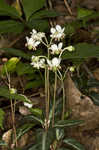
(7, 138)
(82, 109)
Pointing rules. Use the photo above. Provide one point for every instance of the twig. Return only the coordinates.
(51, 21)
(14, 41)
(87, 70)
(69, 9)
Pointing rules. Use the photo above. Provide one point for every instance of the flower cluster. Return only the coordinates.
(56, 49)
(57, 33)
(38, 62)
(54, 64)
(36, 38)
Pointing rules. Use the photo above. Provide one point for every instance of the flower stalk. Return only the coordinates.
(53, 108)
(51, 62)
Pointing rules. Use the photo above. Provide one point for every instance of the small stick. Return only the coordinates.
(69, 9)
(87, 70)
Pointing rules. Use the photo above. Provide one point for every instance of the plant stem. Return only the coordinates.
(53, 109)
(13, 121)
(48, 91)
(63, 112)
(12, 107)
(46, 98)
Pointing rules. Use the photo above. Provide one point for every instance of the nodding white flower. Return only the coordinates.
(72, 69)
(37, 62)
(37, 35)
(57, 33)
(34, 58)
(54, 64)
(56, 49)
(13, 91)
(70, 48)
(28, 105)
(32, 44)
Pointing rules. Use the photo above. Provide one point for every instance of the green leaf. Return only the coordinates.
(11, 26)
(82, 12)
(7, 10)
(24, 68)
(2, 113)
(92, 82)
(63, 149)
(82, 50)
(39, 24)
(35, 147)
(44, 138)
(59, 134)
(95, 97)
(34, 118)
(23, 129)
(36, 111)
(9, 66)
(45, 14)
(4, 92)
(67, 123)
(17, 52)
(70, 29)
(75, 144)
(34, 84)
(32, 6)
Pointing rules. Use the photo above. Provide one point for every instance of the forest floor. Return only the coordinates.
(81, 105)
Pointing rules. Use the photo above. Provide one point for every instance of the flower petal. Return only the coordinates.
(34, 31)
(54, 47)
(58, 28)
(53, 30)
(56, 61)
(60, 45)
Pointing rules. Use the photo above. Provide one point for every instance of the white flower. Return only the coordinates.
(71, 69)
(37, 62)
(37, 36)
(54, 64)
(56, 49)
(57, 32)
(13, 91)
(32, 44)
(28, 105)
(34, 58)
(70, 48)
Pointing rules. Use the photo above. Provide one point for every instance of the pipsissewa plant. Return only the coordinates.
(51, 62)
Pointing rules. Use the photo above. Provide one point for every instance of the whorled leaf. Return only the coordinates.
(23, 129)
(33, 118)
(63, 149)
(92, 82)
(67, 123)
(95, 97)
(73, 143)
(2, 113)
